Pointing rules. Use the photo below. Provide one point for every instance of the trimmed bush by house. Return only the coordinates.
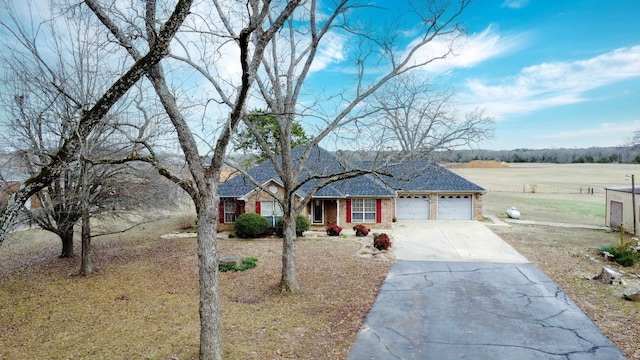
(250, 225)
(381, 241)
(334, 230)
(302, 225)
(361, 230)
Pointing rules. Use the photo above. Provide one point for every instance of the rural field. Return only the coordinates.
(567, 255)
(142, 303)
(550, 192)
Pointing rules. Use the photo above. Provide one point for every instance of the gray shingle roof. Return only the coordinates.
(412, 176)
(425, 176)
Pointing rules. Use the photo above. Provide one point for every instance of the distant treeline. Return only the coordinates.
(624, 155)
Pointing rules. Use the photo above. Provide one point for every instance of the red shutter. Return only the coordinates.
(378, 210)
(348, 210)
(257, 207)
(221, 211)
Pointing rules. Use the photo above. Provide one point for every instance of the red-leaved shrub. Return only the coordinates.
(334, 230)
(381, 241)
(361, 230)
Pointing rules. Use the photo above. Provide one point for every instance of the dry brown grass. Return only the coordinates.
(143, 301)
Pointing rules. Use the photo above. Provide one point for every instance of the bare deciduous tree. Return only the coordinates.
(225, 27)
(377, 56)
(419, 120)
(52, 84)
(91, 116)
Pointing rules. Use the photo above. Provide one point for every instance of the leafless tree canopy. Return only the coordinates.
(220, 27)
(416, 119)
(230, 55)
(339, 112)
(92, 112)
(53, 80)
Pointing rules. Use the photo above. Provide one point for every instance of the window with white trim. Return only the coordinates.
(363, 210)
(272, 211)
(229, 211)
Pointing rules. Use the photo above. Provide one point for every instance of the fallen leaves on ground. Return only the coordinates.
(142, 302)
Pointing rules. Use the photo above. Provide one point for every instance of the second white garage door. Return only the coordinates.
(455, 207)
(412, 208)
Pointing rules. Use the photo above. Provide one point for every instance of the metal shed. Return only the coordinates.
(620, 205)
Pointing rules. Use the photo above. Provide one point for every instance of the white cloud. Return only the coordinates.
(467, 51)
(515, 4)
(599, 130)
(331, 51)
(552, 84)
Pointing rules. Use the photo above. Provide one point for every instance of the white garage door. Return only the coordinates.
(455, 207)
(412, 207)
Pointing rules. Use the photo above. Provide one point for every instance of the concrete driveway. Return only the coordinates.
(451, 240)
(457, 291)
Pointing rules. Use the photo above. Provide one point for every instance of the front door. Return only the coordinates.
(318, 211)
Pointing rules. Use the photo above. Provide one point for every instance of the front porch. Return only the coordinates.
(322, 213)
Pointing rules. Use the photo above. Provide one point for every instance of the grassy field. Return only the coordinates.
(551, 178)
(550, 192)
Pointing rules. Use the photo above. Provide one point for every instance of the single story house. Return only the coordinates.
(619, 207)
(414, 190)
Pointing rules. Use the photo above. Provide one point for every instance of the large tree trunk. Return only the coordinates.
(66, 236)
(86, 267)
(289, 280)
(210, 319)
(85, 263)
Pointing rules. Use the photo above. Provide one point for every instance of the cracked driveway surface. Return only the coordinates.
(467, 309)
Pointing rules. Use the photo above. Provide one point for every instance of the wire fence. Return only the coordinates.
(549, 189)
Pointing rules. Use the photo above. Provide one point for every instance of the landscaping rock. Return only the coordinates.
(609, 276)
(231, 261)
(632, 293)
(607, 256)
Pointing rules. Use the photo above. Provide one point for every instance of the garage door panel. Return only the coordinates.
(413, 208)
(455, 207)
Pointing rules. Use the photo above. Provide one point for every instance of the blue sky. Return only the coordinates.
(553, 74)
